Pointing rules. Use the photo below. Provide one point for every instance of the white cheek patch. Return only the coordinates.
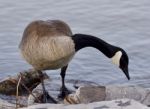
(116, 58)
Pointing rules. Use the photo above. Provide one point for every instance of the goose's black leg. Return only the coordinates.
(64, 90)
(45, 93)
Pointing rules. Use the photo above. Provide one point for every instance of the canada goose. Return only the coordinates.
(50, 45)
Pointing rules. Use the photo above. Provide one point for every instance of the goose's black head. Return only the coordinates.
(121, 59)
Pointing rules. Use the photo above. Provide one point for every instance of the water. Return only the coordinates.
(122, 23)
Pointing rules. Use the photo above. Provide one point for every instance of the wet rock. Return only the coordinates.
(6, 105)
(92, 93)
(132, 92)
(30, 78)
(88, 94)
(53, 88)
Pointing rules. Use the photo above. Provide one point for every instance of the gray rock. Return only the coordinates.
(93, 93)
(114, 104)
(6, 105)
(53, 88)
(132, 92)
(87, 94)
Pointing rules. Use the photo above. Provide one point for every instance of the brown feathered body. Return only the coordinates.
(47, 44)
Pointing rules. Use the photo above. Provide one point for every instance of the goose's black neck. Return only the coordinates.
(82, 41)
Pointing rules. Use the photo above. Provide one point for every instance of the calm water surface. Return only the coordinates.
(122, 23)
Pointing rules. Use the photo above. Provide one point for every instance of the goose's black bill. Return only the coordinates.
(126, 72)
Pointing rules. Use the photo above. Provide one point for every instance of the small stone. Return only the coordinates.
(86, 94)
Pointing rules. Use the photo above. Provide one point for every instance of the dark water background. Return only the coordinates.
(125, 23)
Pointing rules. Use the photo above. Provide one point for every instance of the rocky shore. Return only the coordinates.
(114, 104)
(85, 95)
